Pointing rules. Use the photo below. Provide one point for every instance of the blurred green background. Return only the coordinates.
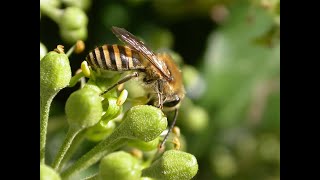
(229, 52)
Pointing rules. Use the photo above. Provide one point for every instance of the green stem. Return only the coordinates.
(75, 79)
(52, 12)
(106, 146)
(72, 132)
(73, 147)
(70, 50)
(45, 103)
(93, 177)
(152, 158)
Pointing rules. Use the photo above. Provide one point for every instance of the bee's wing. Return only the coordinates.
(139, 46)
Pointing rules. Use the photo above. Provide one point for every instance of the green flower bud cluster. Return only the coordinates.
(171, 165)
(110, 122)
(72, 20)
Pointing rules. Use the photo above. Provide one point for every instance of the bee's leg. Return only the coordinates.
(171, 127)
(123, 80)
(159, 93)
(160, 102)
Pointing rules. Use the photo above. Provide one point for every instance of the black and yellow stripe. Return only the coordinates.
(115, 58)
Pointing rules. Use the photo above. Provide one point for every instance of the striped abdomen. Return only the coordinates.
(114, 58)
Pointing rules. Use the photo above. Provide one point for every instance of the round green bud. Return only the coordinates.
(93, 87)
(73, 18)
(43, 50)
(71, 36)
(173, 165)
(55, 72)
(47, 173)
(100, 131)
(223, 162)
(193, 81)
(268, 148)
(144, 146)
(119, 165)
(82, 4)
(161, 38)
(144, 122)
(176, 57)
(195, 119)
(83, 108)
(115, 14)
(190, 75)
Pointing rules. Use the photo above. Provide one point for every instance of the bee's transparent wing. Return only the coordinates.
(139, 46)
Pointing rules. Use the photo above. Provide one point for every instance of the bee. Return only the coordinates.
(160, 76)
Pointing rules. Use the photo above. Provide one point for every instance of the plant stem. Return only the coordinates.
(70, 51)
(52, 12)
(106, 146)
(45, 103)
(73, 147)
(75, 79)
(152, 158)
(93, 177)
(72, 132)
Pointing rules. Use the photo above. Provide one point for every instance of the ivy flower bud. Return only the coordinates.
(173, 165)
(144, 122)
(73, 18)
(119, 165)
(71, 36)
(141, 122)
(55, 72)
(83, 108)
(193, 82)
(196, 119)
(47, 173)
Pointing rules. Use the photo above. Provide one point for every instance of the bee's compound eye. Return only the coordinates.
(172, 103)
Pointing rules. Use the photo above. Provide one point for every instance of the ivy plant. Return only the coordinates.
(127, 132)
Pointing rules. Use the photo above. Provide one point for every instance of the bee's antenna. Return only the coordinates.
(171, 127)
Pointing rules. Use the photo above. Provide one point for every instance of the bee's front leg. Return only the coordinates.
(160, 101)
(160, 94)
